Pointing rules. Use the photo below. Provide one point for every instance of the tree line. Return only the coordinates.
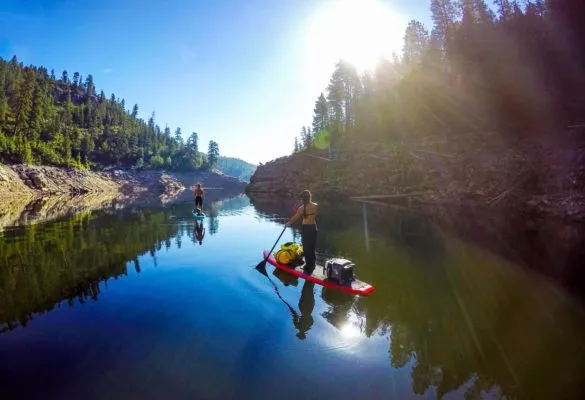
(515, 71)
(64, 121)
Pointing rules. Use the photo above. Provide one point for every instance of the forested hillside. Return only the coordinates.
(64, 121)
(517, 73)
(235, 167)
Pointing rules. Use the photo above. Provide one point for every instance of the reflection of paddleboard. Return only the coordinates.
(198, 216)
(285, 278)
(355, 287)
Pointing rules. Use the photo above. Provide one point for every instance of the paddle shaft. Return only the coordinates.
(275, 243)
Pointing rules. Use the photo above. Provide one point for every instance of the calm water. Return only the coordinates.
(128, 304)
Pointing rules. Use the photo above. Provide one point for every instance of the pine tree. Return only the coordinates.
(89, 86)
(303, 142)
(193, 143)
(178, 136)
(23, 103)
(3, 100)
(444, 14)
(212, 154)
(505, 9)
(65, 78)
(309, 137)
(35, 117)
(75, 82)
(135, 111)
(416, 40)
(320, 114)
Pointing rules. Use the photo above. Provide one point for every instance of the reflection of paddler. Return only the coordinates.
(199, 231)
(306, 305)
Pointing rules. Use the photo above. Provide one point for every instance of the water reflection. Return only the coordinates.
(304, 322)
(461, 319)
(199, 233)
(42, 265)
(450, 317)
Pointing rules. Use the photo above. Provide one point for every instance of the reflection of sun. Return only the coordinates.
(349, 331)
(347, 338)
(359, 31)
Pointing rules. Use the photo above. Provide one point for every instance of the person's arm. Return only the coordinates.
(294, 217)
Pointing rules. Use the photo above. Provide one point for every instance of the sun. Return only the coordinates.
(358, 31)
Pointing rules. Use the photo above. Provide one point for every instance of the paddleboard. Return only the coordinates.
(318, 276)
(198, 216)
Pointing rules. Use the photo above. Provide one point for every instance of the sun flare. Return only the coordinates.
(358, 31)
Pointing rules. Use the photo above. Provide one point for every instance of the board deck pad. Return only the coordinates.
(318, 276)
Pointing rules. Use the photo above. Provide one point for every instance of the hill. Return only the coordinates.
(64, 121)
(236, 167)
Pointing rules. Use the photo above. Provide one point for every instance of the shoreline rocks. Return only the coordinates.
(32, 193)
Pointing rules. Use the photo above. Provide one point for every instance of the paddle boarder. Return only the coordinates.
(198, 192)
(308, 212)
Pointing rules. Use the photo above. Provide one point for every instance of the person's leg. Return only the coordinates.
(309, 238)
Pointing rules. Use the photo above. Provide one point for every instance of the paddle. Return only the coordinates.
(291, 310)
(262, 264)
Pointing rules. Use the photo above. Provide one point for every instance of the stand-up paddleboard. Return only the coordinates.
(318, 276)
(197, 216)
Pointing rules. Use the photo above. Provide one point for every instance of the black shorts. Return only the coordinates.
(198, 201)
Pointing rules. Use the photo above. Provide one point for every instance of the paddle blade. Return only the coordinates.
(261, 267)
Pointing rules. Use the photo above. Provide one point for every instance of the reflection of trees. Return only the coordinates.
(42, 265)
(233, 205)
(213, 225)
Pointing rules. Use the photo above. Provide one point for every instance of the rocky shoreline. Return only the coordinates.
(38, 193)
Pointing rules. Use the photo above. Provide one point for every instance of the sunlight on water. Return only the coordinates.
(350, 331)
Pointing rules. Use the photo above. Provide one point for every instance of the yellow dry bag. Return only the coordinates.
(289, 252)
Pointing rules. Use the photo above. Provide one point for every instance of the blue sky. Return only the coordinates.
(243, 73)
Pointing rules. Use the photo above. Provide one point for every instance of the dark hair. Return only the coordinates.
(306, 198)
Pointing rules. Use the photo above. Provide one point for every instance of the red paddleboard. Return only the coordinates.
(318, 276)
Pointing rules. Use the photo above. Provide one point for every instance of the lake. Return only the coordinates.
(133, 303)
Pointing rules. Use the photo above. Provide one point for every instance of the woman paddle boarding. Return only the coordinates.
(308, 211)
